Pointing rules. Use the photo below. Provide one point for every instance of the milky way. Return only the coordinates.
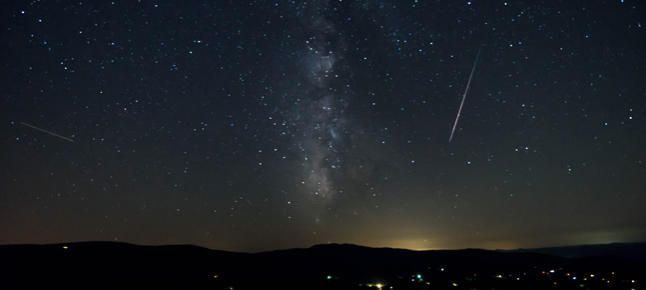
(318, 110)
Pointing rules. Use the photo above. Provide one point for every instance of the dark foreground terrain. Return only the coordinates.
(92, 265)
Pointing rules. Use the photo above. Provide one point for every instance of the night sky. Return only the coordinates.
(256, 125)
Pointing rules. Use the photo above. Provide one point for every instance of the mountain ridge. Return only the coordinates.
(330, 245)
(323, 266)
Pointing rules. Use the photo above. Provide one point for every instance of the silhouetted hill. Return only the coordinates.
(331, 266)
(633, 251)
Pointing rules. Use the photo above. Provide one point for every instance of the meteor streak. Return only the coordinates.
(48, 132)
(464, 96)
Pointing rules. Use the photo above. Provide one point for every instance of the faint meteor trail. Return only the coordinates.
(464, 96)
(48, 132)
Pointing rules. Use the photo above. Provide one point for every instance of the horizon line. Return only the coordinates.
(315, 245)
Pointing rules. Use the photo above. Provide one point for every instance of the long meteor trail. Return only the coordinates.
(464, 96)
(47, 132)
